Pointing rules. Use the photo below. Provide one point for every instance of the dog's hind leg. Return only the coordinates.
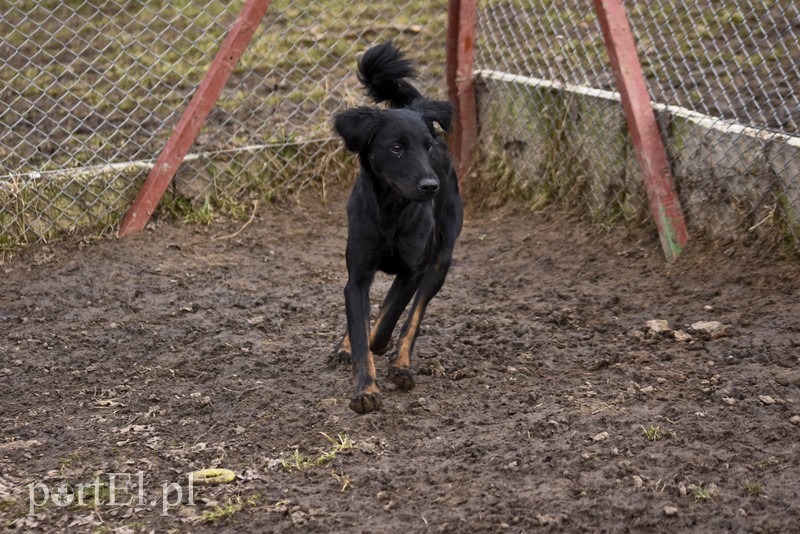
(398, 297)
(400, 369)
(341, 353)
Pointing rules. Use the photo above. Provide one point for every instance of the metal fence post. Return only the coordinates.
(195, 115)
(650, 153)
(461, 91)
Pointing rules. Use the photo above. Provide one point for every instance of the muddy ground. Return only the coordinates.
(543, 401)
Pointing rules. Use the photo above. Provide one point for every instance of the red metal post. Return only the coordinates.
(664, 204)
(461, 91)
(453, 12)
(195, 115)
(464, 82)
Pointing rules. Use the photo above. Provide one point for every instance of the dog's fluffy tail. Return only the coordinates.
(384, 71)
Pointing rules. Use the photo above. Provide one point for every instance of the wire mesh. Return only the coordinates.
(92, 90)
(724, 77)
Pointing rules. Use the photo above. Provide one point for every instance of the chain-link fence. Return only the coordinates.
(91, 91)
(725, 77)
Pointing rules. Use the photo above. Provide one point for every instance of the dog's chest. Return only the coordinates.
(405, 241)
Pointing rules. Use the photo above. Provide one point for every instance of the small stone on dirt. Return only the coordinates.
(625, 465)
(766, 399)
(710, 329)
(21, 444)
(466, 372)
(658, 327)
(637, 481)
(670, 511)
(730, 401)
(255, 321)
(548, 519)
(680, 335)
(298, 517)
(795, 420)
(431, 368)
(372, 445)
(533, 398)
(602, 436)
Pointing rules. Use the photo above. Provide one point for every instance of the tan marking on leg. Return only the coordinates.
(374, 331)
(344, 346)
(403, 360)
(367, 398)
(373, 387)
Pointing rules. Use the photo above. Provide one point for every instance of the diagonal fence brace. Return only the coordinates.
(650, 153)
(199, 107)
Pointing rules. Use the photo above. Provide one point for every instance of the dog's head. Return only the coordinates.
(397, 144)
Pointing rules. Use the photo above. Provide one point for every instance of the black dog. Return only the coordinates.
(404, 215)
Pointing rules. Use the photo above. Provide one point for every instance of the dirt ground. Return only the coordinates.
(544, 402)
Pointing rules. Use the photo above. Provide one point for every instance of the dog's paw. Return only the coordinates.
(366, 402)
(340, 357)
(402, 378)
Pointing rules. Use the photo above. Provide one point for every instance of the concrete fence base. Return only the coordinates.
(571, 142)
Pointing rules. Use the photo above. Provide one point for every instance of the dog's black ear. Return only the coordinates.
(439, 111)
(356, 126)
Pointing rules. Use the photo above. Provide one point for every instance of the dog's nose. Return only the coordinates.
(429, 186)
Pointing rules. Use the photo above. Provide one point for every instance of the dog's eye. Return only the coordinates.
(428, 146)
(396, 148)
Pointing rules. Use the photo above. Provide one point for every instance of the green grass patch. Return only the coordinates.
(298, 461)
(702, 493)
(754, 489)
(767, 463)
(228, 508)
(652, 433)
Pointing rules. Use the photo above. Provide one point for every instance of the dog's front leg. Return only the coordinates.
(367, 396)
